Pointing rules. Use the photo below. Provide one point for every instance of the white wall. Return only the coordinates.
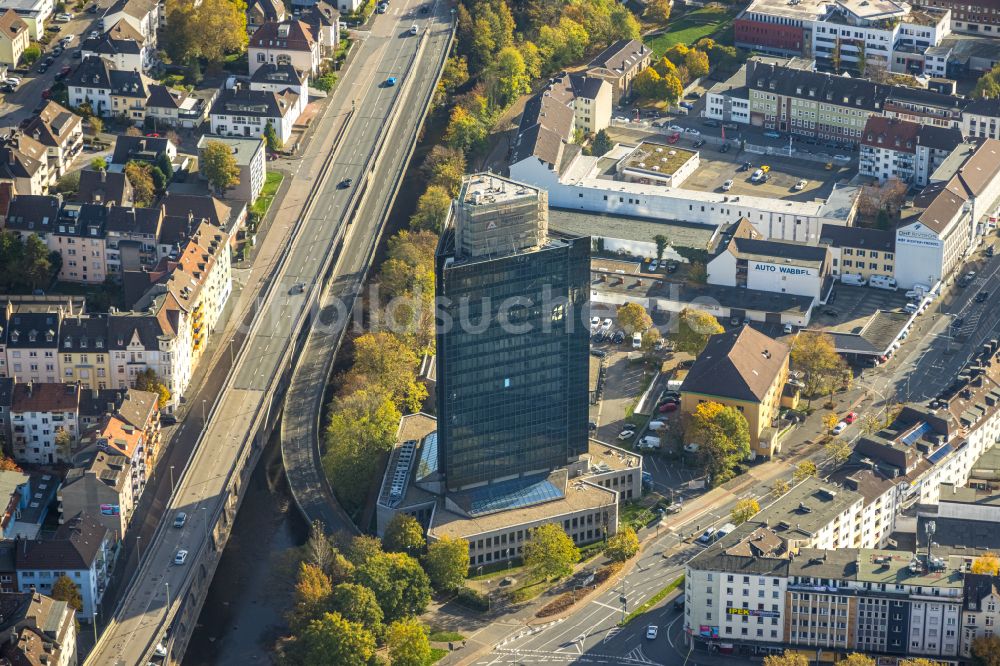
(919, 256)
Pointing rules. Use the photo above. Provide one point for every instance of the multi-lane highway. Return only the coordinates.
(368, 106)
(304, 400)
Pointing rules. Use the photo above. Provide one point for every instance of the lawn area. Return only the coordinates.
(653, 600)
(437, 654)
(271, 185)
(445, 636)
(689, 27)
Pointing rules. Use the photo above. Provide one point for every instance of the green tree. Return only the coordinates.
(385, 361)
(312, 593)
(139, 174)
(432, 210)
(780, 487)
(633, 318)
(988, 85)
(444, 167)
(815, 354)
(403, 534)
(723, 437)
(447, 563)
(96, 125)
(509, 75)
(661, 245)
(64, 589)
(36, 266)
(694, 328)
(358, 604)
(68, 183)
(64, 444)
(30, 54)
(331, 639)
(658, 11)
(602, 143)
(744, 510)
(400, 585)
(804, 470)
(361, 428)
(838, 450)
(218, 165)
(363, 548)
(271, 138)
(455, 74)
(98, 163)
(465, 131)
(622, 546)
(164, 164)
(148, 380)
(532, 59)
(550, 552)
(985, 651)
(408, 644)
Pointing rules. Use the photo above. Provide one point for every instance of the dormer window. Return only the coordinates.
(14, 335)
(68, 343)
(83, 343)
(50, 336)
(99, 344)
(32, 336)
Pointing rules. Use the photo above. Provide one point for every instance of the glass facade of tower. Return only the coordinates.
(512, 360)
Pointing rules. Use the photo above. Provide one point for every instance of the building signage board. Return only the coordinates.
(786, 270)
(752, 612)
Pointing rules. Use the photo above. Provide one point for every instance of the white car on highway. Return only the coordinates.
(181, 557)
(651, 632)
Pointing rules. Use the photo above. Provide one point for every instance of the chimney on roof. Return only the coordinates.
(29, 387)
(104, 174)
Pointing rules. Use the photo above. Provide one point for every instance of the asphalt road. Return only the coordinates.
(21, 103)
(304, 400)
(386, 51)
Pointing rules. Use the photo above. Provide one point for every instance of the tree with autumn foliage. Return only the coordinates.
(987, 563)
(723, 439)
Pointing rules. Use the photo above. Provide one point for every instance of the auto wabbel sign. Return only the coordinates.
(786, 270)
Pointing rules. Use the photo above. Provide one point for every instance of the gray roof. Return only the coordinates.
(838, 235)
(777, 251)
(74, 547)
(95, 72)
(823, 87)
(584, 223)
(621, 56)
(254, 103)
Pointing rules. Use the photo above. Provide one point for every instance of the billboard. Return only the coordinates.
(110, 509)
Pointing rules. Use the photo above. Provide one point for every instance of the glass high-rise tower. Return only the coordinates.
(513, 338)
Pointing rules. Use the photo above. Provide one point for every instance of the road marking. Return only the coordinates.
(599, 603)
(612, 632)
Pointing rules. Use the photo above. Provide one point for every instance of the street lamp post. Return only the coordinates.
(171, 478)
(94, 622)
(138, 547)
(168, 594)
(205, 522)
(203, 401)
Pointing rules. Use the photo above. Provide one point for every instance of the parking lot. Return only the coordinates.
(857, 304)
(716, 167)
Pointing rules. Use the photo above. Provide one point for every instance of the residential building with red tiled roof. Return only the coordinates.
(38, 413)
(288, 42)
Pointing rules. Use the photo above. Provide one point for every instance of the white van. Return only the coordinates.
(911, 308)
(853, 279)
(657, 425)
(757, 176)
(882, 282)
(649, 442)
(637, 340)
